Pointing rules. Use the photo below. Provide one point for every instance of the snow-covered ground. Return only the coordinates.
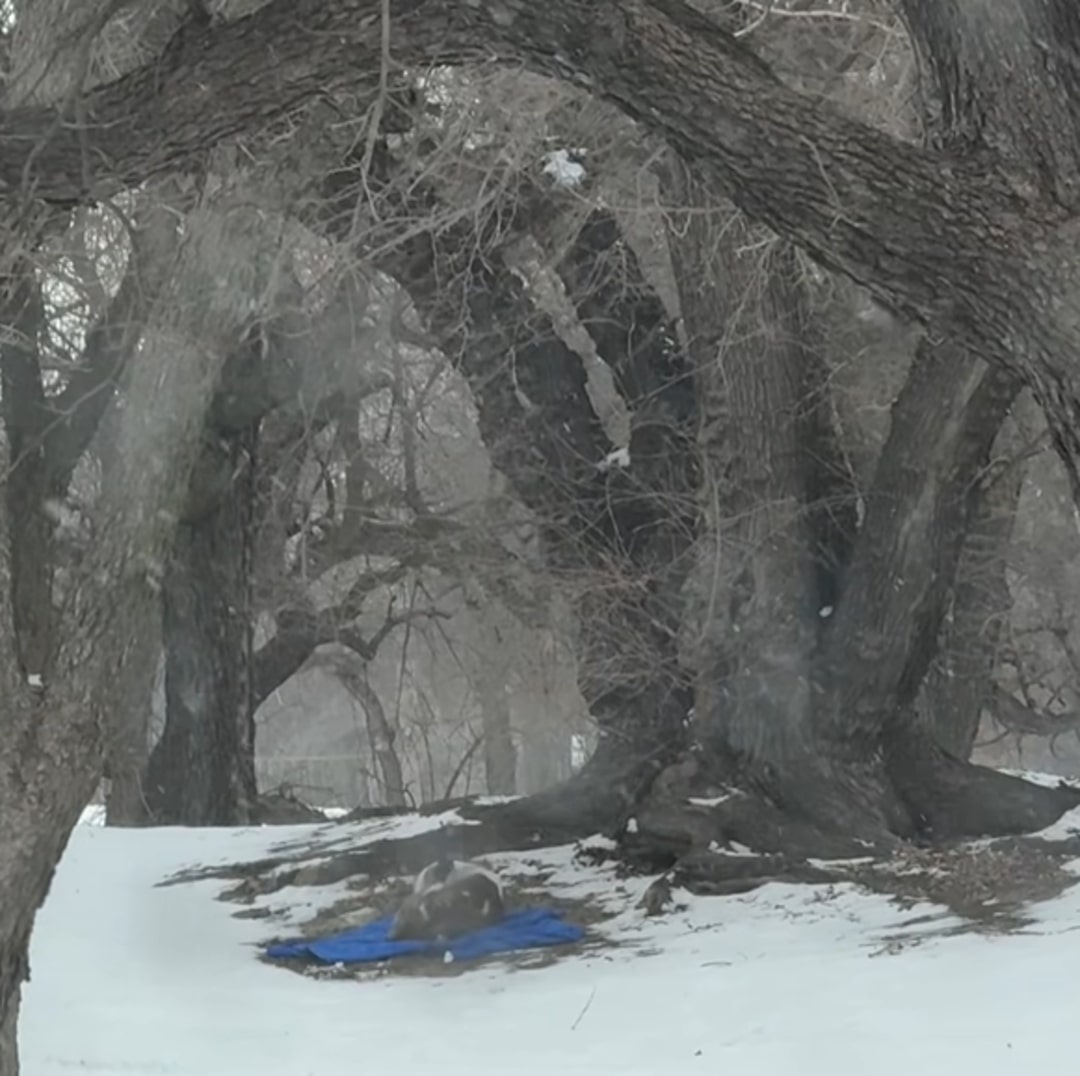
(130, 979)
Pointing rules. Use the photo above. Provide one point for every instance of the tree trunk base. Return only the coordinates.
(836, 810)
(721, 838)
(955, 799)
(10, 995)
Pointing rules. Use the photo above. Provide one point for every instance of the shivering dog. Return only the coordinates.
(449, 898)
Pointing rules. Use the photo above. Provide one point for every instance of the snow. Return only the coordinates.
(131, 978)
(619, 457)
(565, 167)
(711, 801)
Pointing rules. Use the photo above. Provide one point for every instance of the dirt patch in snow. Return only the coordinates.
(992, 887)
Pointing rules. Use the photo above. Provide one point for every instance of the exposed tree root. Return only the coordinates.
(957, 799)
(714, 874)
(714, 838)
(664, 832)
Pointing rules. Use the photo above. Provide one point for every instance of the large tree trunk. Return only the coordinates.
(202, 771)
(882, 637)
(959, 685)
(622, 533)
(868, 767)
(819, 748)
(51, 752)
(757, 593)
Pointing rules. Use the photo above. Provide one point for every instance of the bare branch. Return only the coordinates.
(77, 411)
(368, 648)
(854, 196)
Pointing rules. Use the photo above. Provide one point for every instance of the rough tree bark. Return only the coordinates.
(877, 647)
(624, 531)
(757, 593)
(51, 753)
(878, 643)
(487, 661)
(48, 435)
(952, 239)
(202, 770)
(959, 685)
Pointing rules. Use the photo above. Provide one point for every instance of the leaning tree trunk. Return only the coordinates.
(985, 71)
(823, 760)
(51, 752)
(621, 533)
(873, 769)
(29, 484)
(382, 735)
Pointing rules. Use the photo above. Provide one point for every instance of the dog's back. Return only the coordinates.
(449, 899)
(447, 870)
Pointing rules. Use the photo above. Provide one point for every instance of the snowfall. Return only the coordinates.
(130, 978)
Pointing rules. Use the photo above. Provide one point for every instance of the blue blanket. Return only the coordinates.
(529, 928)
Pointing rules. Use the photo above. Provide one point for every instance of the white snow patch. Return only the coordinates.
(93, 815)
(620, 458)
(830, 864)
(714, 801)
(579, 751)
(133, 979)
(564, 167)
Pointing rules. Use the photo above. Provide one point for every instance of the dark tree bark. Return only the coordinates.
(870, 767)
(29, 485)
(52, 749)
(878, 645)
(950, 239)
(500, 755)
(48, 435)
(627, 529)
(959, 685)
(202, 770)
(757, 590)
(487, 662)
